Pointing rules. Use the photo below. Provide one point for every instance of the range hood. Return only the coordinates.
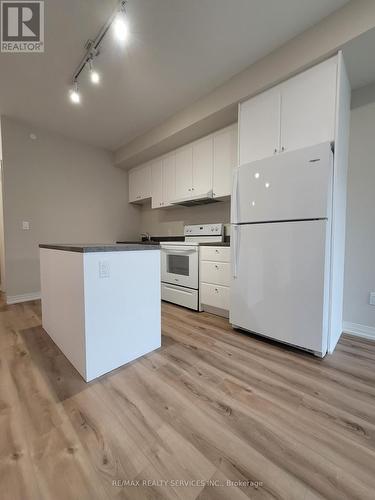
(199, 199)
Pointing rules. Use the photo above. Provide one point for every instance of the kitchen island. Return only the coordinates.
(101, 303)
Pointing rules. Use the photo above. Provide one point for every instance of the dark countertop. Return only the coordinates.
(98, 247)
(147, 243)
(155, 241)
(216, 244)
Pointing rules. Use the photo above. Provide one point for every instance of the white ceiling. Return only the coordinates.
(179, 51)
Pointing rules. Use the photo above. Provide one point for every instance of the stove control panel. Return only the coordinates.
(204, 230)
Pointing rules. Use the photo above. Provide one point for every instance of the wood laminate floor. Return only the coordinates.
(215, 413)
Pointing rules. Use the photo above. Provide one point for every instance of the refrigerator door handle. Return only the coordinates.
(235, 251)
(235, 196)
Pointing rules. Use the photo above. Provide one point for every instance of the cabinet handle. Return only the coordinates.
(217, 251)
(283, 148)
(192, 189)
(216, 290)
(216, 266)
(189, 189)
(274, 151)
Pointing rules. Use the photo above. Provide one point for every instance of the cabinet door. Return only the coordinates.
(157, 184)
(145, 182)
(169, 179)
(259, 126)
(225, 159)
(308, 104)
(133, 185)
(184, 172)
(140, 183)
(202, 165)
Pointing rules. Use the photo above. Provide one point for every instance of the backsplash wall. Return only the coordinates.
(171, 221)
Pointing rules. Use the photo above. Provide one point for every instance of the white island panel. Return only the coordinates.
(63, 311)
(101, 303)
(122, 308)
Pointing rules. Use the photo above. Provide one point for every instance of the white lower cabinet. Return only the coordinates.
(215, 296)
(214, 281)
(215, 272)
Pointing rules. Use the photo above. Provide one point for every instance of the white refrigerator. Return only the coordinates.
(281, 247)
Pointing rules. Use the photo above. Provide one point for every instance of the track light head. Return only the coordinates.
(121, 27)
(75, 96)
(94, 75)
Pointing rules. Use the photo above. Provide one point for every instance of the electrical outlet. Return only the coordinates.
(104, 269)
(372, 298)
(25, 225)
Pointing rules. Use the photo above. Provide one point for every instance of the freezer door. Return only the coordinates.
(287, 186)
(280, 288)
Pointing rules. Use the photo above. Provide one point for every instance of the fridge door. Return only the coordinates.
(280, 284)
(287, 186)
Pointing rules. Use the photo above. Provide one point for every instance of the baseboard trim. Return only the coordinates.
(367, 332)
(26, 297)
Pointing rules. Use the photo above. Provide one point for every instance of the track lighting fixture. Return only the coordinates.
(119, 23)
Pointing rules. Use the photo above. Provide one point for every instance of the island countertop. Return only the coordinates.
(100, 247)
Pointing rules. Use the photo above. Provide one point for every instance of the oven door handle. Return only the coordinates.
(179, 252)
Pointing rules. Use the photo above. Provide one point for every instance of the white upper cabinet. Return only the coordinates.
(297, 113)
(163, 181)
(184, 172)
(202, 166)
(140, 183)
(169, 179)
(195, 170)
(157, 184)
(225, 160)
(308, 104)
(259, 126)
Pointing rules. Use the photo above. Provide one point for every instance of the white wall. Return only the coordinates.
(360, 236)
(68, 191)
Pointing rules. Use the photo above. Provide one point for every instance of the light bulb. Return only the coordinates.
(121, 27)
(257, 175)
(267, 184)
(74, 94)
(94, 76)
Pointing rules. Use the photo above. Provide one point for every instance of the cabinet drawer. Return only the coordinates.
(215, 296)
(217, 273)
(185, 297)
(217, 254)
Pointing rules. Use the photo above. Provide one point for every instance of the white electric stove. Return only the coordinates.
(180, 264)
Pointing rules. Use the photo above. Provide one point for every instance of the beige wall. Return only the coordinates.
(218, 108)
(69, 192)
(2, 250)
(360, 237)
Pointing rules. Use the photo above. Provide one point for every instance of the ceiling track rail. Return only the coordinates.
(93, 46)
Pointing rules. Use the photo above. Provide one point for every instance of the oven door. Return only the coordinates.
(179, 265)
